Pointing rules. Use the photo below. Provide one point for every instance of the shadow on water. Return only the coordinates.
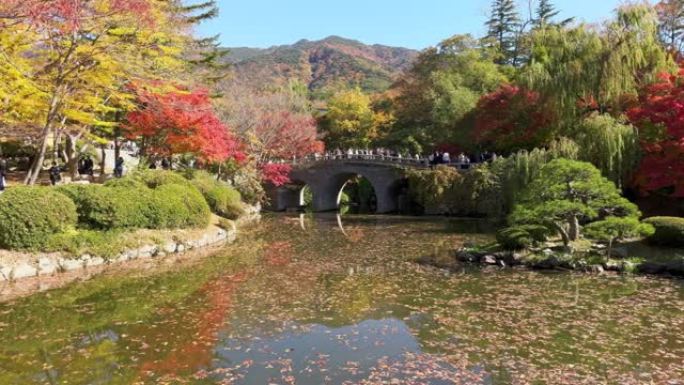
(329, 299)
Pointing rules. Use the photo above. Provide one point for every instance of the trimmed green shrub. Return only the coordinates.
(521, 237)
(669, 231)
(29, 215)
(225, 201)
(157, 178)
(125, 182)
(204, 181)
(177, 206)
(108, 208)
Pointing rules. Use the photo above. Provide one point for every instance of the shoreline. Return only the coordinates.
(38, 272)
(552, 262)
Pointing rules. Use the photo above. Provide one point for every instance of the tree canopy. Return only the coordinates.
(567, 194)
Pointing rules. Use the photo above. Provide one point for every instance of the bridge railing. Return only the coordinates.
(374, 158)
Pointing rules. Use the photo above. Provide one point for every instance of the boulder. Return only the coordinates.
(24, 270)
(85, 258)
(123, 257)
(612, 265)
(47, 266)
(94, 261)
(488, 260)
(147, 251)
(170, 247)
(131, 254)
(596, 269)
(465, 256)
(69, 264)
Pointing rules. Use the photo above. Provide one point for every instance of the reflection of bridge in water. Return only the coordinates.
(326, 177)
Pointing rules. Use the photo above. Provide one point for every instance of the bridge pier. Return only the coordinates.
(284, 197)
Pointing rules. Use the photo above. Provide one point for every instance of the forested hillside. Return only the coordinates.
(324, 65)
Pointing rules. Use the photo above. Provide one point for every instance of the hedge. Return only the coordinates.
(177, 206)
(204, 181)
(223, 200)
(109, 208)
(669, 231)
(158, 178)
(30, 215)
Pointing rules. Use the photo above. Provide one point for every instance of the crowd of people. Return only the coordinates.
(86, 164)
(435, 158)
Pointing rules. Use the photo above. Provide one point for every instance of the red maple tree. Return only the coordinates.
(277, 174)
(660, 118)
(284, 134)
(180, 121)
(511, 119)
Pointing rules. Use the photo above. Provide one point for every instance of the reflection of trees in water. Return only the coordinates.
(171, 323)
(95, 331)
(358, 197)
(184, 342)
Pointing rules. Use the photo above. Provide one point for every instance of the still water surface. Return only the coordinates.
(323, 300)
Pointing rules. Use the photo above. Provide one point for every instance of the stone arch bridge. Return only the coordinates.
(327, 176)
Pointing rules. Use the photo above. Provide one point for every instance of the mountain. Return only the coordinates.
(323, 65)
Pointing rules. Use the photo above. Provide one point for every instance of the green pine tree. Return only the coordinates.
(205, 54)
(545, 13)
(503, 29)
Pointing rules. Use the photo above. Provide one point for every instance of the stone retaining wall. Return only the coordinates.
(46, 265)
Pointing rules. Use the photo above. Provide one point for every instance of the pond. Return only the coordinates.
(325, 299)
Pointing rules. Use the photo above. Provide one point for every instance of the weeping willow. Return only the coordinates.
(518, 170)
(582, 68)
(611, 146)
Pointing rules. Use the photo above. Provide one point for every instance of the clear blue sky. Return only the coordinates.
(408, 23)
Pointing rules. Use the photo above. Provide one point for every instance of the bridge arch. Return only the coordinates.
(326, 179)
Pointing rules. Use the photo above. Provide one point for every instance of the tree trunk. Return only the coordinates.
(72, 156)
(37, 165)
(574, 230)
(117, 148)
(103, 163)
(563, 233)
(56, 143)
(610, 248)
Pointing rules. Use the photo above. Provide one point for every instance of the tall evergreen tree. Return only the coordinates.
(206, 55)
(545, 14)
(504, 29)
